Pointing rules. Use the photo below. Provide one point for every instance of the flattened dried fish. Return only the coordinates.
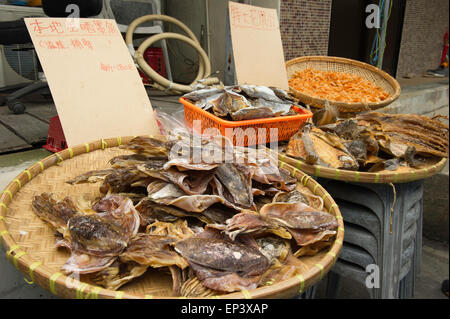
(177, 230)
(249, 222)
(223, 265)
(91, 177)
(191, 182)
(152, 250)
(157, 146)
(171, 194)
(298, 216)
(106, 233)
(296, 196)
(81, 263)
(117, 275)
(237, 180)
(53, 212)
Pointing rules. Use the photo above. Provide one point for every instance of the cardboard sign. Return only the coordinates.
(257, 47)
(95, 85)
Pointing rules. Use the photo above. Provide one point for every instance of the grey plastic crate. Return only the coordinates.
(369, 239)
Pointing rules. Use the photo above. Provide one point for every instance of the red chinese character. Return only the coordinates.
(56, 27)
(110, 27)
(59, 44)
(87, 44)
(99, 25)
(50, 45)
(38, 26)
(77, 44)
(88, 27)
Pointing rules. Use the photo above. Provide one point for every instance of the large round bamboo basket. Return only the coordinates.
(404, 176)
(366, 71)
(29, 242)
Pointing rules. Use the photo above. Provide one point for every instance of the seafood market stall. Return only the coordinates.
(373, 165)
(106, 248)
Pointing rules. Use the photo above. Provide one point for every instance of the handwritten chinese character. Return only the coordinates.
(38, 26)
(99, 26)
(56, 27)
(60, 45)
(87, 44)
(88, 27)
(110, 27)
(50, 45)
(77, 44)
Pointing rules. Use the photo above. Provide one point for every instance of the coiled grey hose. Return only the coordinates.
(162, 83)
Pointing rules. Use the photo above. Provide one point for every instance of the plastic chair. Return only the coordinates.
(126, 11)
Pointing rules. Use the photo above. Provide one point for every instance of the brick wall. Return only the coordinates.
(304, 26)
(424, 26)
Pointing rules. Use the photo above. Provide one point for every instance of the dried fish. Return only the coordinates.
(91, 177)
(152, 250)
(223, 265)
(237, 180)
(117, 275)
(298, 216)
(56, 213)
(171, 194)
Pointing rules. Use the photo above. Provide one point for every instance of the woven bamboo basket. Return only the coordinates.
(366, 71)
(405, 175)
(29, 242)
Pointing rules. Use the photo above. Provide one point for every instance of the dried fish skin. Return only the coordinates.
(429, 137)
(298, 216)
(121, 212)
(107, 232)
(194, 288)
(93, 236)
(121, 180)
(346, 129)
(223, 256)
(123, 161)
(171, 194)
(325, 116)
(157, 146)
(150, 212)
(117, 275)
(237, 180)
(191, 182)
(153, 251)
(252, 113)
(57, 214)
(81, 263)
(177, 230)
(260, 92)
(91, 177)
(313, 248)
(308, 237)
(316, 151)
(248, 222)
(202, 94)
(296, 196)
(274, 248)
(222, 281)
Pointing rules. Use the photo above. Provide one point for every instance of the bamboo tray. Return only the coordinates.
(29, 242)
(403, 175)
(366, 71)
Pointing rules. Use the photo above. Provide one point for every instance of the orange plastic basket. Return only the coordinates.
(248, 132)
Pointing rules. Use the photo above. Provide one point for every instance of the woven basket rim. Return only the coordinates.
(345, 107)
(55, 282)
(364, 177)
